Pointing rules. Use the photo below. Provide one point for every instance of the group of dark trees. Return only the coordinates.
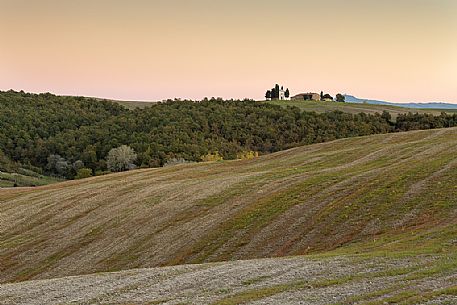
(71, 136)
(339, 97)
(274, 92)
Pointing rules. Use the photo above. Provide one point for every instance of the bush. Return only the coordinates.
(247, 155)
(83, 173)
(212, 157)
(121, 159)
(101, 173)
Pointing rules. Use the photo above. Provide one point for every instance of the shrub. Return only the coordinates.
(101, 173)
(121, 159)
(246, 155)
(212, 157)
(83, 173)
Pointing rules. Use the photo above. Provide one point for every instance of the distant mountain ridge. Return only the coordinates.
(430, 105)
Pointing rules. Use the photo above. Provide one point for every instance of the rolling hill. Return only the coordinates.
(352, 105)
(321, 107)
(392, 193)
(295, 280)
(430, 105)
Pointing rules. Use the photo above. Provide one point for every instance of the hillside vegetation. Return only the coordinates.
(12, 174)
(59, 136)
(392, 193)
(27, 178)
(327, 106)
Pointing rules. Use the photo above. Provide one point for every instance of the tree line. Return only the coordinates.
(77, 137)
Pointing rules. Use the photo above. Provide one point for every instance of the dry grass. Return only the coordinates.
(393, 193)
(296, 280)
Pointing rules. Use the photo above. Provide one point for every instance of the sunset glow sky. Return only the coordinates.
(396, 50)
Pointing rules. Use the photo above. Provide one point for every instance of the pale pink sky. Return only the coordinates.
(397, 50)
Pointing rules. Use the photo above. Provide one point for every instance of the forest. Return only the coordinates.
(59, 135)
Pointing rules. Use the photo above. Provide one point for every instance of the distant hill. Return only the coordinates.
(359, 107)
(431, 105)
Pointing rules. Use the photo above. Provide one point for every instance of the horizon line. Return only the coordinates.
(215, 97)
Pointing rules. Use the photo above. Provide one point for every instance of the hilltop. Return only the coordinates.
(373, 194)
(352, 105)
(348, 107)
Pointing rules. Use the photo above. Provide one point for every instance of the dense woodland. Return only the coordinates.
(57, 135)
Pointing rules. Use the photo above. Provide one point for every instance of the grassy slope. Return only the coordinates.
(9, 179)
(127, 104)
(353, 108)
(135, 104)
(393, 193)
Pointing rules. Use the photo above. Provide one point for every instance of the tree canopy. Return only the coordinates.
(61, 135)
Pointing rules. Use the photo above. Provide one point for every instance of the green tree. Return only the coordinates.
(340, 98)
(77, 165)
(328, 97)
(89, 156)
(287, 94)
(274, 93)
(58, 165)
(386, 116)
(268, 95)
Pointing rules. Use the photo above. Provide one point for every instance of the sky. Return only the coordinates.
(395, 50)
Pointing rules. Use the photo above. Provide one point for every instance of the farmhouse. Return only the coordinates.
(307, 96)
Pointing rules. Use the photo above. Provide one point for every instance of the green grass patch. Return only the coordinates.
(260, 293)
(14, 179)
